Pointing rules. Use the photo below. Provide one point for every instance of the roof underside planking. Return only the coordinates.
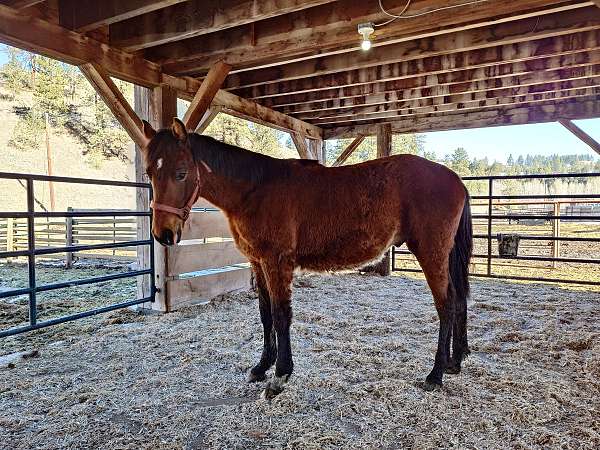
(480, 64)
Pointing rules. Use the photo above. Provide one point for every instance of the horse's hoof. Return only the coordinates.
(255, 377)
(274, 387)
(431, 386)
(453, 370)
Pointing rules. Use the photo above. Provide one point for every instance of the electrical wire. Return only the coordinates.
(401, 15)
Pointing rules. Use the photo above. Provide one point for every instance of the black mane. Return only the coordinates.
(235, 162)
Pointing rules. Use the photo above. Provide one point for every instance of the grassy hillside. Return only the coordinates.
(68, 160)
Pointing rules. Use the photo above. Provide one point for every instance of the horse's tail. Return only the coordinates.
(460, 256)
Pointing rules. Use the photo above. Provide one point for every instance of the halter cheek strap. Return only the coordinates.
(184, 212)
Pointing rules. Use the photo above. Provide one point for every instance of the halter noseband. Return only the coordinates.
(184, 212)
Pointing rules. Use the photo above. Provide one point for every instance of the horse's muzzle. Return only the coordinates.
(167, 238)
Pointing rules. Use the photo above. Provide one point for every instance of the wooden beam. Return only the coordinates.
(85, 15)
(329, 29)
(511, 115)
(206, 120)
(205, 95)
(20, 4)
(451, 107)
(197, 17)
(39, 36)
(300, 143)
(114, 99)
(51, 40)
(348, 151)
(552, 25)
(425, 98)
(239, 107)
(586, 138)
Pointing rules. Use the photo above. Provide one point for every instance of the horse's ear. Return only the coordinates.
(148, 131)
(178, 129)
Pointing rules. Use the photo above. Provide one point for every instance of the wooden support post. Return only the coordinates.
(162, 107)
(384, 149)
(556, 234)
(204, 97)
(301, 146)
(10, 236)
(69, 239)
(348, 151)
(50, 167)
(586, 138)
(384, 140)
(207, 119)
(316, 149)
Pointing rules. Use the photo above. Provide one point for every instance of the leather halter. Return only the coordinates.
(184, 212)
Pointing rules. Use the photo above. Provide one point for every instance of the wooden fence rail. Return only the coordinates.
(72, 231)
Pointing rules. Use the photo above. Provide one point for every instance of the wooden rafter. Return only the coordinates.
(197, 17)
(328, 29)
(475, 90)
(348, 151)
(441, 99)
(114, 99)
(512, 115)
(452, 107)
(552, 25)
(84, 15)
(551, 54)
(586, 138)
(205, 95)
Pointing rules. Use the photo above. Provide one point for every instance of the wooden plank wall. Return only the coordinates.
(206, 247)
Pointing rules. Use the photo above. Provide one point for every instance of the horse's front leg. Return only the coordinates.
(269, 353)
(278, 274)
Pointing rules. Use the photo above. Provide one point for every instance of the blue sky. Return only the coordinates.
(497, 143)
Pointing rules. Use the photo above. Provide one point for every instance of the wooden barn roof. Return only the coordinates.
(298, 63)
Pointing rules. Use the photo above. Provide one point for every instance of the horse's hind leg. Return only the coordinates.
(269, 353)
(435, 265)
(278, 273)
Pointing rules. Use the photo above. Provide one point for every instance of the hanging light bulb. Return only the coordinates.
(366, 30)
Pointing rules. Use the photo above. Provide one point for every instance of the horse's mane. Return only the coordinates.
(235, 162)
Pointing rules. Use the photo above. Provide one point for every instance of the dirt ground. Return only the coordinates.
(362, 346)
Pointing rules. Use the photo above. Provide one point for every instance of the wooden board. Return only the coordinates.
(202, 289)
(202, 225)
(194, 257)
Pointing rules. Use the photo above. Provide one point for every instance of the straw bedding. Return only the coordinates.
(362, 346)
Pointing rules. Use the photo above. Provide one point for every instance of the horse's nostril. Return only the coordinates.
(167, 237)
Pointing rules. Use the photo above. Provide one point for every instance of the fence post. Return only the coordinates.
(556, 234)
(10, 244)
(69, 239)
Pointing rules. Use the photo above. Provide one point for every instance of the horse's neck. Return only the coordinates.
(225, 194)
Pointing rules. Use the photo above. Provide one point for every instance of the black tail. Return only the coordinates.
(460, 256)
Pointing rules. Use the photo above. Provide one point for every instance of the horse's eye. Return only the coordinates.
(180, 176)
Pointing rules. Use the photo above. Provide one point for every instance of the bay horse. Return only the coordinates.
(288, 214)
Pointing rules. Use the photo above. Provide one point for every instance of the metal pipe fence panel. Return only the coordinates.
(23, 241)
(541, 222)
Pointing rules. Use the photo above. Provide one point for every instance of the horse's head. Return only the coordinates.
(175, 177)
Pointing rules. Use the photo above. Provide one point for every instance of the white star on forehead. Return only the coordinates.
(159, 163)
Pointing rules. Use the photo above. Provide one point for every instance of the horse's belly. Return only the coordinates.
(342, 254)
